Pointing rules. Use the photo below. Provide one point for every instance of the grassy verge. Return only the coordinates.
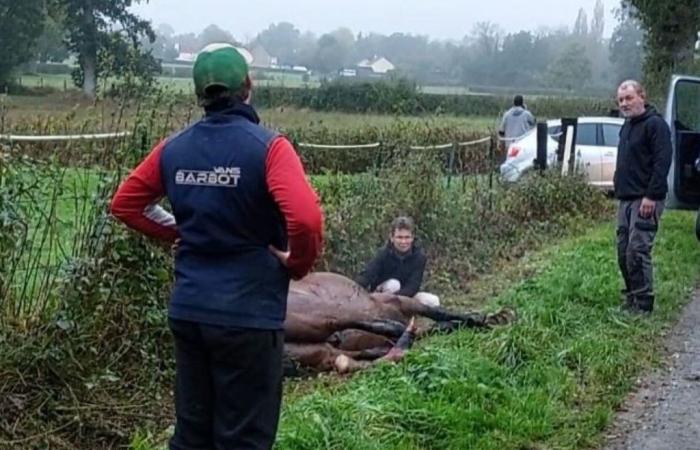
(551, 381)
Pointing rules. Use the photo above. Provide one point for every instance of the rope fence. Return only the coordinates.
(99, 136)
(66, 137)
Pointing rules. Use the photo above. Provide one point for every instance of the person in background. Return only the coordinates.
(516, 122)
(398, 267)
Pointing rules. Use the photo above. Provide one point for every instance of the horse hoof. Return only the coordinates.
(342, 364)
(503, 317)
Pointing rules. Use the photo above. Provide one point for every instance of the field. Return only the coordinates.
(62, 105)
(184, 85)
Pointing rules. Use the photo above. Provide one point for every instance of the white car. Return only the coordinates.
(595, 147)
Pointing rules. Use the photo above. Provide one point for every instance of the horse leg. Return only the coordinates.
(353, 339)
(412, 307)
(344, 363)
(304, 359)
(305, 329)
(447, 320)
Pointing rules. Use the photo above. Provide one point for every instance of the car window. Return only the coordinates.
(611, 134)
(554, 130)
(585, 134)
(687, 106)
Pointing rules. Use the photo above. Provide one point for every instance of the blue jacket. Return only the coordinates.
(214, 176)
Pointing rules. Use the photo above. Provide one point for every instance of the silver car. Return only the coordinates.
(596, 150)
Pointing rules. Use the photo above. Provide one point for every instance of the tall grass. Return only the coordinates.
(553, 380)
(85, 357)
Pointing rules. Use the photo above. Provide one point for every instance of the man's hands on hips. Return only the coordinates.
(283, 256)
(647, 208)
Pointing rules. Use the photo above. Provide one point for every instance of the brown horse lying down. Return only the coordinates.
(334, 324)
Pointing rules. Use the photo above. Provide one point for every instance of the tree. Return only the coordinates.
(21, 24)
(187, 43)
(572, 68)
(598, 21)
(581, 24)
(332, 53)
(212, 34)
(164, 47)
(487, 38)
(50, 46)
(671, 29)
(306, 49)
(281, 41)
(517, 62)
(92, 28)
(627, 49)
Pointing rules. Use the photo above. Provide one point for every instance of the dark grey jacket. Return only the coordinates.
(388, 263)
(643, 157)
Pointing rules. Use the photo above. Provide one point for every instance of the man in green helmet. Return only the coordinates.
(246, 221)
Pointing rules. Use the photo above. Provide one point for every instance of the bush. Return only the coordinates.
(52, 68)
(465, 227)
(403, 97)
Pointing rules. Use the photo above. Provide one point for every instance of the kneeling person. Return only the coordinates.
(398, 267)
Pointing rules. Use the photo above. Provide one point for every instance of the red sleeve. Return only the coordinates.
(299, 204)
(134, 203)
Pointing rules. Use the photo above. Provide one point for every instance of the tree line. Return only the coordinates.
(106, 38)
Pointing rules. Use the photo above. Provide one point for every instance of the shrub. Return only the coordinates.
(402, 97)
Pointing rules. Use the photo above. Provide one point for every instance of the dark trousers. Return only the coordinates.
(228, 388)
(635, 240)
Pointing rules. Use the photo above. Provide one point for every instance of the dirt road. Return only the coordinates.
(664, 414)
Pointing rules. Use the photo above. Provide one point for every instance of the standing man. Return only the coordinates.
(516, 122)
(398, 267)
(246, 220)
(643, 161)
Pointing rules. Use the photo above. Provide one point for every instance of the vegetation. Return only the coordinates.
(553, 380)
(19, 29)
(100, 50)
(672, 33)
(402, 97)
(85, 356)
(580, 61)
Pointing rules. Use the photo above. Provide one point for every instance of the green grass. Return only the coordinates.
(447, 90)
(58, 205)
(55, 81)
(297, 118)
(550, 381)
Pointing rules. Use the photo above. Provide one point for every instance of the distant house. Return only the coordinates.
(261, 58)
(375, 66)
(185, 57)
(190, 58)
(347, 73)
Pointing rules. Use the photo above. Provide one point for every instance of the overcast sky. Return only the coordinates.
(440, 19)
